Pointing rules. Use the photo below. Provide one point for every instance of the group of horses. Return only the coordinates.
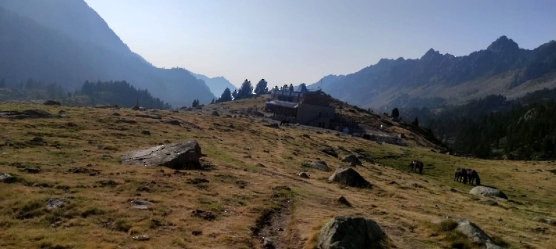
(467, 175)
(462, 175)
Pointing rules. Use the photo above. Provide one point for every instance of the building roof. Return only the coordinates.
(283, 103)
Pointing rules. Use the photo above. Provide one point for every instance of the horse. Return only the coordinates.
(461, 175)
(416, 166)
(473, 176)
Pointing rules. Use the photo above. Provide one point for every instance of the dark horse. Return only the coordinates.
(473, 176)
(285, 122)
(416, 166)
(461, 175)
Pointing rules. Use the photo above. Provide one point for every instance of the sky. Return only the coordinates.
(301, 41)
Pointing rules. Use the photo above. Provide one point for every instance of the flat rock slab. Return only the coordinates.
(488, 191)
(34, 113)
(54, 203)
(182, 155)
(351, 233)
(349, 177)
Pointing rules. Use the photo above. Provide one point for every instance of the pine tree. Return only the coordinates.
(245, 90)
(261, 87)
(212, 102)
(291, 88)
(303, 88)
(226, 96)
(415, 122)
(395, 113)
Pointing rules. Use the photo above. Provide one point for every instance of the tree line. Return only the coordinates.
(120, 93)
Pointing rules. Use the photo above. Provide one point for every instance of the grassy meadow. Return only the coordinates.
(251, 168)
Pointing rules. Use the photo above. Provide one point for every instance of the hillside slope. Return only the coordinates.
(502, 68)
(70, 44)
(248, 187)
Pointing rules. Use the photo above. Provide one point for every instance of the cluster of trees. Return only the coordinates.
(245, 91)
(494, 127)
(196, 103)
(120, 93)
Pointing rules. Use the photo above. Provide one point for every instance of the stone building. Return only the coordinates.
(310, 108)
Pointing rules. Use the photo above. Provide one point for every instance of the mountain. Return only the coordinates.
(503, 68)
(69, 43)
(217, 85)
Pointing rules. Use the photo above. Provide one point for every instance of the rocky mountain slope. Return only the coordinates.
(67, 42)
(63, 185)
(502, 68)
(217, 85)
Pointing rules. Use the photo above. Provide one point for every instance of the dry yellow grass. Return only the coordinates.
(100, 214)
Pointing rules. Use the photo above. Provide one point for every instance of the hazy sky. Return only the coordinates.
(295, 41)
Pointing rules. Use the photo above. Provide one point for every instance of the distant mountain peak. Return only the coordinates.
(503, 44)
(432, 55)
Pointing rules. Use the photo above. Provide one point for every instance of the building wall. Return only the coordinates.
(314, 114)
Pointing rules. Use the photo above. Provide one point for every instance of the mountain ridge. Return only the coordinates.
(501, 68)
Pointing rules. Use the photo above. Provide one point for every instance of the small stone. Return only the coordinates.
(143, 237)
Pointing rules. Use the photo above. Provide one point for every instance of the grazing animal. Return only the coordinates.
(416, 166)
(461, 175)
(473, 176)
(285, 122)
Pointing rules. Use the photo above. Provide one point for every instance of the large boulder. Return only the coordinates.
(329, 151)
(474, 233)
(352, 160)
(182, 155)
(349, 177)
(488, 191)
(320, 165)
(352, 233)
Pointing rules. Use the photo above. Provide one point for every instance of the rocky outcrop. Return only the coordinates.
(352, 160)
(182, 155)
(329, 151)
(352, 233)
(349, 177)
(36, 113)
(320, 165)
(474, 233)
(387, 139)
(488, 192)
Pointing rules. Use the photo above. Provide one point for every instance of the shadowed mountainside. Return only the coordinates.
(67, 42)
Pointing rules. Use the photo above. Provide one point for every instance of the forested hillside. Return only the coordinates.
(494, 127)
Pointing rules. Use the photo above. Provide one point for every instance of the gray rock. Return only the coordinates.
(141, 204)
(352, 160)
(474, 233)
(351, 233)
(329, 151)
(173, 122)
(320, 165)
(303, 175)
(52, 102)
(349, 177)
(6, 178)
(151, 116)
(545, 220)
(54, 203)
(267, 243)
(488, 191)
(344, 201)
(215, 113)
(182, 155)
(273, 125)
